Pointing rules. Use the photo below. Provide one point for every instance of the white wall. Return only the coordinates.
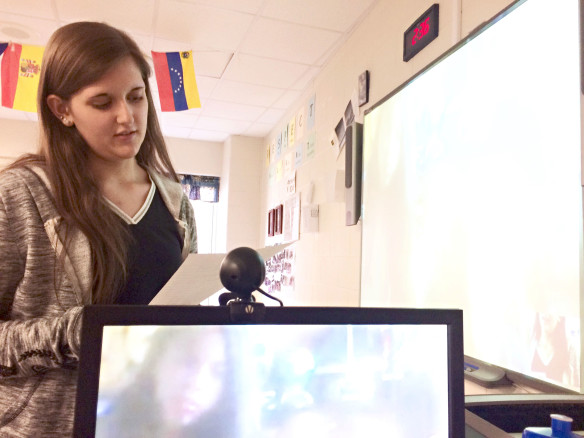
(17, 137)
(239, 195)
(328, 263)
(195, 157)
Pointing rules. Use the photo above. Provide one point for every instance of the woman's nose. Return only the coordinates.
(124, 113)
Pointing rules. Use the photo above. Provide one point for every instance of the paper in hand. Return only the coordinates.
(198, 278)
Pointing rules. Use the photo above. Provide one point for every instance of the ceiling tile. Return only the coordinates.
(249, 6)
(259, 129)
(128, 15)
(287, 99)
(185, 119)
(271, 116)
(28, 8)
(263, 71)
(175, 131)
(306, 79)
(145, 44)
(248, 94)
(215, 124)
(206, 85)
(166, 45)
(287, 41)
(337, 15)
(14, 28)
(211, 63)
(203, 27)
(204, 135)
(232, 111)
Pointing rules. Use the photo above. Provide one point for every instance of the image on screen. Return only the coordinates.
(472, 192)
(264, 381)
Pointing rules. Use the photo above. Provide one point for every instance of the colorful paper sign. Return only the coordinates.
(278, 146)
(300, 123)
(298, 155)
(288, 163)
(291, 132)
(311, 146)
(310, 114)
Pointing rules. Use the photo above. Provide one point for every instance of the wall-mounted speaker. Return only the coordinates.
(353, 168)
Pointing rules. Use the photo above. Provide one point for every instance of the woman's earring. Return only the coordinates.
(66, 121)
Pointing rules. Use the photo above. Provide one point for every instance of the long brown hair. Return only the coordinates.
(77, 55)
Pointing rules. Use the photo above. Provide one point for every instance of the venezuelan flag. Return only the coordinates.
(20, 74)
(175, 76)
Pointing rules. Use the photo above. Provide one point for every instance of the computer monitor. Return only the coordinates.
(181, 371)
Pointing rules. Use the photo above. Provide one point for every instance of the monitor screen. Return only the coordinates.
(300, 372)
(472, 191)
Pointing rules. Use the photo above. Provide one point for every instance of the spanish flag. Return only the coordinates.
(175, 76)
(20, 72)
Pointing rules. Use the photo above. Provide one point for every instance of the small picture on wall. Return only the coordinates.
(340, 131)
(349, 114)
(281, 210)
(279, 219)
(364, 88)
(271, 222)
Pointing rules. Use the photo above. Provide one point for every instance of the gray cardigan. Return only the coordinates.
(41, 302)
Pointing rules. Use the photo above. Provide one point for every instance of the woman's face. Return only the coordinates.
(111, 114)
(190, 378)
(548, 322)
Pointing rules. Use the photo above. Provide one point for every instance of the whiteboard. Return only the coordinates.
(472, 192)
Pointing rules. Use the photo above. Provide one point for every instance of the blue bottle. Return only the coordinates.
(561, 428)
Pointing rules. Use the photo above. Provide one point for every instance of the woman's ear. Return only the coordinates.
(60, 109)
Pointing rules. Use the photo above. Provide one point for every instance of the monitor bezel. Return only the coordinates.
(95, 318)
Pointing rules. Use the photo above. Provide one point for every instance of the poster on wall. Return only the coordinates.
(285, 139)
(291, 184)
(280, 271)
(298, 156)
(292, 131)
(310, 114)
(268, 155)
(311, 145)
(273, 151)
(278, 146)
(288, 163)
(300, 123)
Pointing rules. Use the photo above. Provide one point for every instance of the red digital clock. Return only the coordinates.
(421, 32)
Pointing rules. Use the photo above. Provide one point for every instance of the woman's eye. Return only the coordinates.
(136, 98)
(101, 106)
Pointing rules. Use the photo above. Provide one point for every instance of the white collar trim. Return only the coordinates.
(141, 213)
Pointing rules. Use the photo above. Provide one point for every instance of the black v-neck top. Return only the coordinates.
(155, 252)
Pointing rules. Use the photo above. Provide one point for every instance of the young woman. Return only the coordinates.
(96, 216)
